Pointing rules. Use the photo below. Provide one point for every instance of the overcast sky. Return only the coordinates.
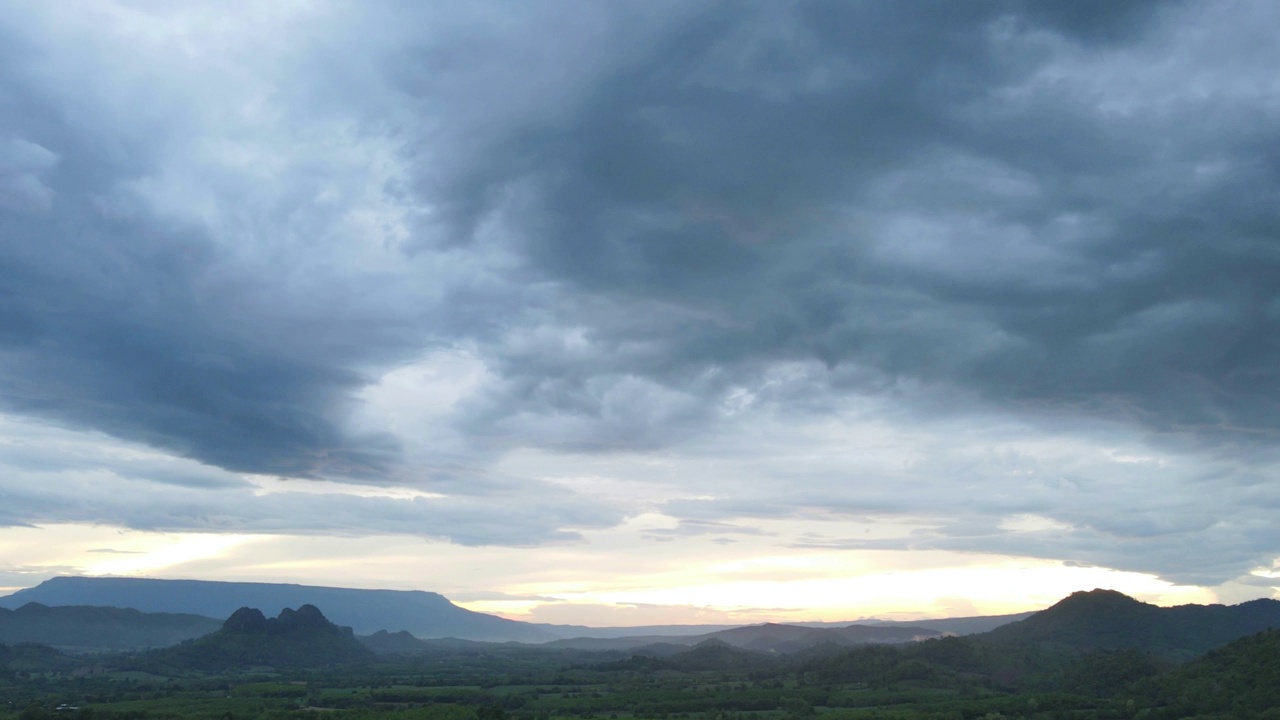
(645, 311)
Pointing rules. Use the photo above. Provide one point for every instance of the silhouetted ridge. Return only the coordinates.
(306, 616)
(1109, 620)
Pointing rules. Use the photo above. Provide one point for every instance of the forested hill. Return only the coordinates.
(80, 629)
(1241, 678)
(1106, 619)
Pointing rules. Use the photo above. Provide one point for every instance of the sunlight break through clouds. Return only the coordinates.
(582, 300)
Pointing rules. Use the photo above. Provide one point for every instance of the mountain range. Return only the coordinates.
(103, 614)
(423, 614)
(1093, 654)
(1080, 642)
(767, 638)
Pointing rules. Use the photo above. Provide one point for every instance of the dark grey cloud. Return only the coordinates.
(710, 181)
(109, 329)
(1189, 517)
(117, 319)
(546, 516)
(50, 476)
(904, 189)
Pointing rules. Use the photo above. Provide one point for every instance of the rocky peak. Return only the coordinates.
(306, 616)
(246, 619)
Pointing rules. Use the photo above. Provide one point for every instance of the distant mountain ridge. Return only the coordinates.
(78, 628)
(774, 638)
(425, 614)
(953, 626)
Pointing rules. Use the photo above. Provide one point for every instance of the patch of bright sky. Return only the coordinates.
(268, 485)
(41, 552)
(1031, 523)
(413, 398)
(613, 581)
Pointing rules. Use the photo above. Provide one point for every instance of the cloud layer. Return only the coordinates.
(1001, 275)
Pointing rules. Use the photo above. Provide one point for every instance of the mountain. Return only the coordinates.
(93, 629)
(425, 614)
(1107, 620)
(302, 638)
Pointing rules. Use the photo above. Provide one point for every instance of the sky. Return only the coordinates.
(632, 312)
